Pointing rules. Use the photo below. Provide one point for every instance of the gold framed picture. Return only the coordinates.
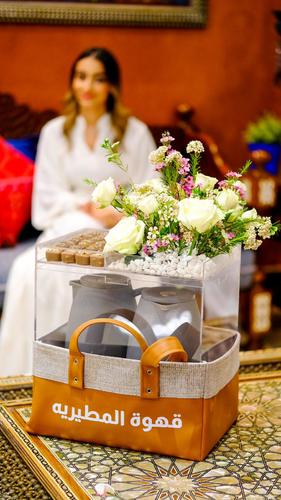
(151, 13)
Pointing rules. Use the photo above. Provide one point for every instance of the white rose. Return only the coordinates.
(205, 181)
(250, 214)
(133, 197)
(235, 213)
(228, 199)
(147, 204)
(104, 193)
(156, 185)
(125, 237)
(195, 213)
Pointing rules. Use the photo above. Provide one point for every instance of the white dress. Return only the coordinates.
(59, 189)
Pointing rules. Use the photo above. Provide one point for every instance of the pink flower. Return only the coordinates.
(159, 166)
(187, 184)
(230, 235)
(161, 243)
(147, 250)
(166, 138)
(240, 188)
(222, 184)
(175, 237)
(233, 174)
(185, 167)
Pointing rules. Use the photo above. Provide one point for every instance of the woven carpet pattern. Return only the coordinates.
(17, 481)
(246, 463)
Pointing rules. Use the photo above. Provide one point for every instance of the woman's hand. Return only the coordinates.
(108, 217)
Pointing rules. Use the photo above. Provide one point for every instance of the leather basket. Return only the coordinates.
(162, 403)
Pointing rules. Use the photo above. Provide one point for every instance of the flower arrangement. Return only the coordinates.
(181, 210)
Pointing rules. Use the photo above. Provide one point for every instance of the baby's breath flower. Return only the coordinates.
(195, 147)
(174, 158)
(158, 155)
(251, 242)
(252, 245)
(264, 228)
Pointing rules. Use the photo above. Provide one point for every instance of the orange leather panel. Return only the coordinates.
(185, 428)
(222, 411)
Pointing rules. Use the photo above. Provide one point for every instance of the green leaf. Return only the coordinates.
(90, 182)
(245, 167)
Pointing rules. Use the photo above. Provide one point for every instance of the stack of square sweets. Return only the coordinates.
(84, 249)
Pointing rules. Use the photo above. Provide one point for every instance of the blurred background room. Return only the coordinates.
(208, 74)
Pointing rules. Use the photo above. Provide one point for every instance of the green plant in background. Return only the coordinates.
(266, 129)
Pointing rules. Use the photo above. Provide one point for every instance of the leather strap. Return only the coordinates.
(76, 358)
(169, 348)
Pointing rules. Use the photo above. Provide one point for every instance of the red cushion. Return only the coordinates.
(16, 177)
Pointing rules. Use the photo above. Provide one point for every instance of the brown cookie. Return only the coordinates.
(53, 254)
(68, 257)
(82, 258)
(97, 260)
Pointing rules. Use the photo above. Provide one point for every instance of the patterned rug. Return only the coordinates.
(17, 482)
(246, 463)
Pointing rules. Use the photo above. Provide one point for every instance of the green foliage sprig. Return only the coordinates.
(266, 129)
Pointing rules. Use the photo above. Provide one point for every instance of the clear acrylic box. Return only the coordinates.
(195, 299)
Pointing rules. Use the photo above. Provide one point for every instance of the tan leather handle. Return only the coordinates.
(168, 347)
(163, 348)
(76, 358)
(73, 344)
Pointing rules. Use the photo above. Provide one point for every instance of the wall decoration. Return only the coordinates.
(151, 13)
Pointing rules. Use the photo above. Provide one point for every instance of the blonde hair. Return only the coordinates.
(119, 114)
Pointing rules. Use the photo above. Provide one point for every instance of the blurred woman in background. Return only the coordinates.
(69, 151)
